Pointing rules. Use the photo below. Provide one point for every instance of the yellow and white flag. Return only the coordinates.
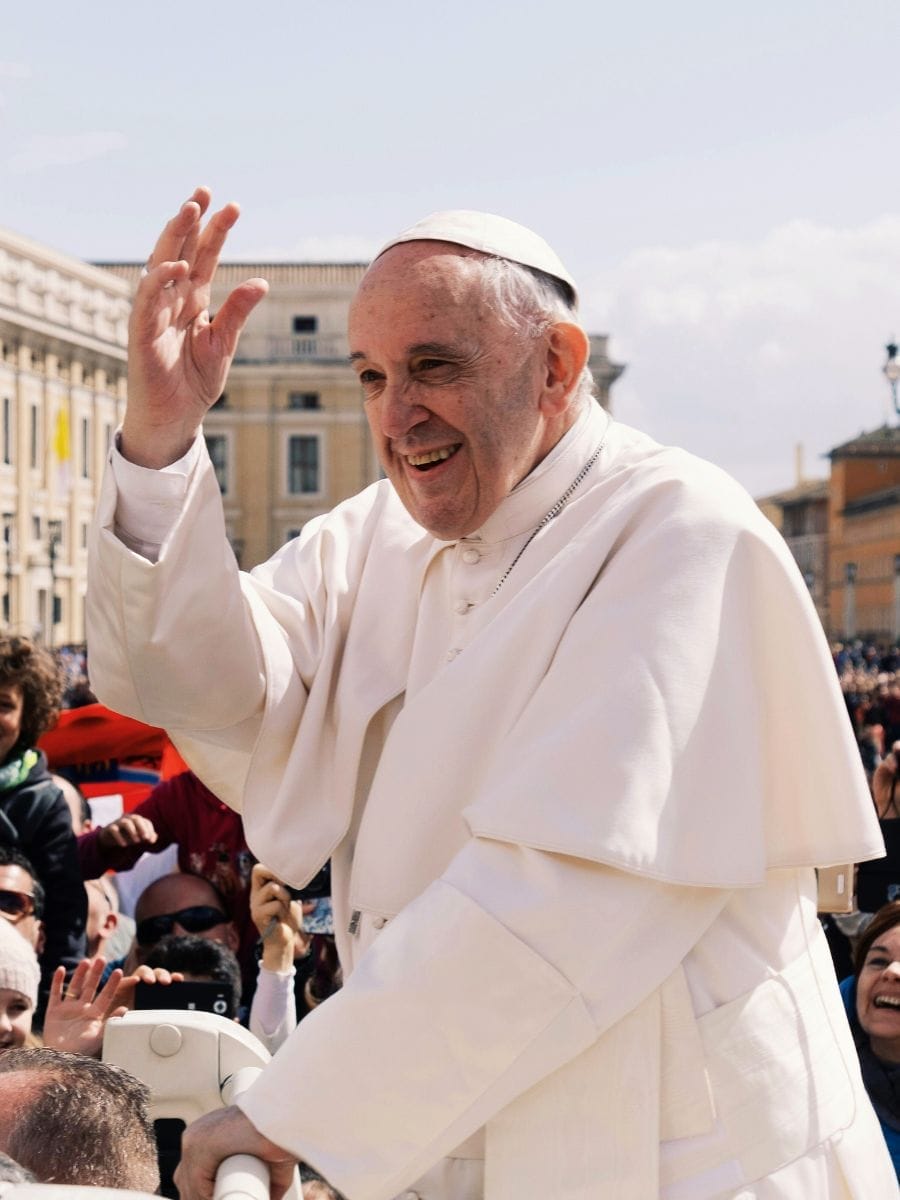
(62, 447)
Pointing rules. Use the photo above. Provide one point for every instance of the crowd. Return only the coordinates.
(76, 947)
(76, 950)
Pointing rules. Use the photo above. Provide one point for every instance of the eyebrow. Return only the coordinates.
(439, 349)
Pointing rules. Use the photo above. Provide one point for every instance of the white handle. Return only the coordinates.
(242, 1177)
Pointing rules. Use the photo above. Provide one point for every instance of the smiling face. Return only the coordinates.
(15, 1018)
(458, 403)
(10, 718)
(878, 995)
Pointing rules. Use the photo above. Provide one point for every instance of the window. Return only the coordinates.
(36, 527)
(33, 438)
(85, 447)
(7, 430)
(217, 445)
(303, 465)
(305, 324)
(304, 400)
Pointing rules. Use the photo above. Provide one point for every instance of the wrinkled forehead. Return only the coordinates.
(420, 291)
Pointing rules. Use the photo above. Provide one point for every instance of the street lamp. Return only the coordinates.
(54, 537)
(891, 370)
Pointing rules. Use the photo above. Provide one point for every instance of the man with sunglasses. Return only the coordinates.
(21, 896)
(180, 903)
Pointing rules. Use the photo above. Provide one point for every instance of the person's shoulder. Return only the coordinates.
(688, 488)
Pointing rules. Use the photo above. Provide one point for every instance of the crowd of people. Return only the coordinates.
(76, 949)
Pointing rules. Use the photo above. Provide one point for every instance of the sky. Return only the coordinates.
(722, 180)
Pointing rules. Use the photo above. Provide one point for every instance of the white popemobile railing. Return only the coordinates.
(193, 1063)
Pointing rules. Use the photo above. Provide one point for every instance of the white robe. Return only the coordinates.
(576, 858)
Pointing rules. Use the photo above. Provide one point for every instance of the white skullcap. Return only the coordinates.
(497, 236)
(19, 970)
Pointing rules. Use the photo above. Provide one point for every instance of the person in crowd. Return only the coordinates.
(180, 903)
(199, 960)
(872, 1000)
(878, 880)
(209, 835)
(34, 816)
(102, 918)
(297, 969)
(22, 896)
(76, 1120)
(79, 809)
(19, 979)
(500, 689)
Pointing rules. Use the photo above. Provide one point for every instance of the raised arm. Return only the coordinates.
(178, 358)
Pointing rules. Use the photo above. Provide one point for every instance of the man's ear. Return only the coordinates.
(567, 352)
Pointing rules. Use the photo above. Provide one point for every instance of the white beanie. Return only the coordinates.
(489, 234)
(19, 970)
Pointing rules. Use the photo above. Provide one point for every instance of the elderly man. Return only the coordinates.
(553, 699)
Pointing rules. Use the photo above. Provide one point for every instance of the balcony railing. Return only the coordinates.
(298, 347)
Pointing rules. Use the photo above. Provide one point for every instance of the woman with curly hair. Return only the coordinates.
(34, 816)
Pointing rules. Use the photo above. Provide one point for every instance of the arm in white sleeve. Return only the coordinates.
(499, 973)
(148, 502)
(273, 1011)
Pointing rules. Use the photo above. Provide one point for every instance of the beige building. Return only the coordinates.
(62, 390)
(289, 437)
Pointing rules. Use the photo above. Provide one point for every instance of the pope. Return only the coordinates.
(553, 700)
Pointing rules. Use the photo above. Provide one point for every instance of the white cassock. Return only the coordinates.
(573, 823)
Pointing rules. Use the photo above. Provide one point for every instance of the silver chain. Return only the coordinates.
(551, 515)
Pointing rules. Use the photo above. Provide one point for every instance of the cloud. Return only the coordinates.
(741, 350)
(66, 150)
(337, 247)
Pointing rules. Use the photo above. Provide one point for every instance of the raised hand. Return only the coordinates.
(129, 830)
(178, 358)
(77, 1014)
(277, 917)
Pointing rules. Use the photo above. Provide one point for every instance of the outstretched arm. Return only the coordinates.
(178, 358)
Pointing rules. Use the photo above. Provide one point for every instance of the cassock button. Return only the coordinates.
(379, 922)
(470, 556)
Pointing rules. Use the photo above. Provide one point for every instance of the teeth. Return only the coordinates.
(420, 460)
(887, 1001)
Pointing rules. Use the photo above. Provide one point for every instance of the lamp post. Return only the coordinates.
(8, 518)
(54, 536)
(891, 370)
(850, 570)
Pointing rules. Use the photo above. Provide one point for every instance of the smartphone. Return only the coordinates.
(200, 996)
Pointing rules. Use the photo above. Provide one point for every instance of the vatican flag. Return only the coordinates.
(62, 447)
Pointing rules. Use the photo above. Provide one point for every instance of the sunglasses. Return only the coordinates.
(16, 904)
(197, 919)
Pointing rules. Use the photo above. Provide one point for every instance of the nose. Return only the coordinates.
(893, 969)
(398, 411)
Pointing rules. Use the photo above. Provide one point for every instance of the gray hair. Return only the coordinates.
(72, 1119)
(529, 301)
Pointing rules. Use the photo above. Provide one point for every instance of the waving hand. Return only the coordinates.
(178, 358)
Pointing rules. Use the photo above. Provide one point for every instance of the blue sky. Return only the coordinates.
(723, 180)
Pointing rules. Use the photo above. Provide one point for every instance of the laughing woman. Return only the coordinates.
(34, 816)
(872, 1000)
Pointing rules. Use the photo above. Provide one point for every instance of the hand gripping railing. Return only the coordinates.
(193, 1063)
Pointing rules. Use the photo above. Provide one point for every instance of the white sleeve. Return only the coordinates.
(502, 971)
(148, 502)
(273, 1012)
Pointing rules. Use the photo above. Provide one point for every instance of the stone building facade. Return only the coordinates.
(63, 332)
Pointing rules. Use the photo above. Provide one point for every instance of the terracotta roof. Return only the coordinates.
(877, 443)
